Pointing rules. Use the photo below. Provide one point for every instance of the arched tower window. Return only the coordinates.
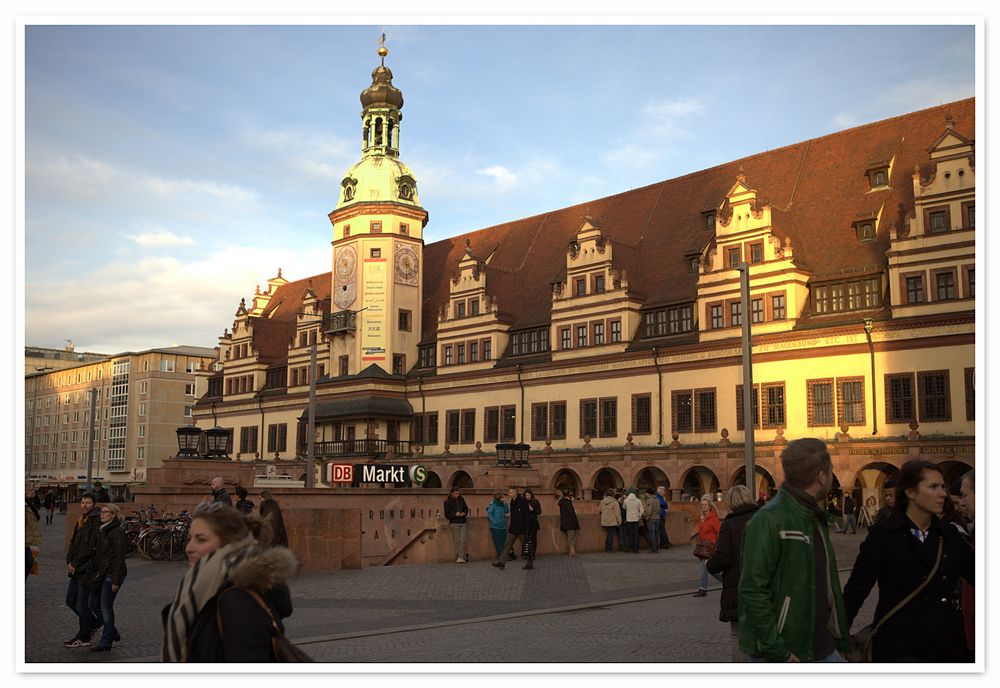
(390, 133)
(378, 131)
(365, 134)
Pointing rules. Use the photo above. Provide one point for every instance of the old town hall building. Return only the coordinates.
(607, 335)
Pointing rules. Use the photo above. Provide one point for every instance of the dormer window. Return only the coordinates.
(865, 230)
(710, 221)
(693, 264)
(878, 178)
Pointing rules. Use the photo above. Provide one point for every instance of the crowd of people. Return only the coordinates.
(781, 590)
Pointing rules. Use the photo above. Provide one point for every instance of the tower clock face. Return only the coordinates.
(407, 265)
(347, 260)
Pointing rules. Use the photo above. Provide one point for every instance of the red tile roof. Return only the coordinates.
(817, 189)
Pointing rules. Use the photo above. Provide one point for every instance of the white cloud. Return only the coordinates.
(503, 179)
(846, 120)
(158, 300)
(659, 124)
(160, 238)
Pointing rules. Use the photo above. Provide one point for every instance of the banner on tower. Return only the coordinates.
(375, 329)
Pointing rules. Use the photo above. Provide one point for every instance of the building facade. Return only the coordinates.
(139, 399)
(39, 359)
(607, 335)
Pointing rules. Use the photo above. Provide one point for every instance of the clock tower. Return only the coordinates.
(378, 228)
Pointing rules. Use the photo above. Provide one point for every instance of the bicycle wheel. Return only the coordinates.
(178, 545)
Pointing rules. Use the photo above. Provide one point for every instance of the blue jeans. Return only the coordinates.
(72, 601)
(498, 539)
(832, 657)
(102, 605)
(703, 582)
(653, 535)
(609, 541)
(89, 618)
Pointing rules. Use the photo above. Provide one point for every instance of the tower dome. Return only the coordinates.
(380, 176)
(382, 92)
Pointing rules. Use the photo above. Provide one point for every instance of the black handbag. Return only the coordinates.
(284, 649)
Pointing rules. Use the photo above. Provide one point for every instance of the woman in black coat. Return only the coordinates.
(568, 522)
(231, 600)
(532, 511)
(899, 553)
(109, 573)
(726, 560)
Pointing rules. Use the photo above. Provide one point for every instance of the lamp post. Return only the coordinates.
(217, 443)
(748, 395)
(869, 325)
(513, 455)
(187, 442)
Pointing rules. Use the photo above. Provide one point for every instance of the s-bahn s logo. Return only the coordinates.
(418, 474)
(340, 473)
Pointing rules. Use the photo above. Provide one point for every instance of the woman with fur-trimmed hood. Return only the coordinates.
(218, 613)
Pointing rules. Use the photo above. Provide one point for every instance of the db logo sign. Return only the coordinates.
(340, 473)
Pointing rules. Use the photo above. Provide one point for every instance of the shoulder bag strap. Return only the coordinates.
(916, 592)
(257, 598)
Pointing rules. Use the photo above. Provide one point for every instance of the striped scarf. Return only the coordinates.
(200, 584)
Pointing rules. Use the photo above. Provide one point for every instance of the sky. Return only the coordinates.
(169, 170)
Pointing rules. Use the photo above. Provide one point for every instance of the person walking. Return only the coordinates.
(270, 511)
(456, 510)
(968, 489)
(109, 573)
(50, 506)
(633, 514)
(100, 493)
(79, 562)
(651, 512)
(910, 550)
(836, 513)
(705, 538)
(219, 494)
(661, 497)
(243, 505)
(231, 600)
(518, 525)
(611, 520)
(889, 497)
(726, 560)
(32, 534)
(850, 520)
(532, 512)
(569, 524)
(496, 514)
(790, 604)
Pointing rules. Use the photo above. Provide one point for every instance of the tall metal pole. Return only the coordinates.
(869, 322)
(311, 427)
(748, 424)
(90, 444)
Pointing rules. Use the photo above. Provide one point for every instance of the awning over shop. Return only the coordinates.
(363, 407)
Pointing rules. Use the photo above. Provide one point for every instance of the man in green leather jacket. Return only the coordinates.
(791, 609)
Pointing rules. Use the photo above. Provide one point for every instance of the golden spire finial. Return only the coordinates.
(382, 50)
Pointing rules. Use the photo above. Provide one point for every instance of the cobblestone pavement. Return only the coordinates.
(439, 612)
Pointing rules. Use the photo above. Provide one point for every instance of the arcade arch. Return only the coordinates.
(699, 481)
(651, 477)
(433, 480)
(461, 480)
(606, 479)
(567, 479)
(764, 481)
